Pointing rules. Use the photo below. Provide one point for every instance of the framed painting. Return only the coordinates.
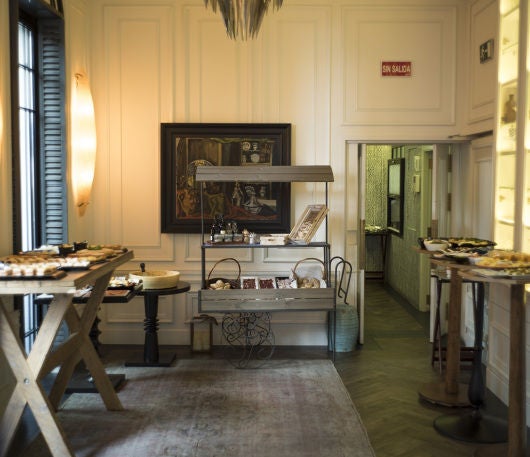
(258, 207)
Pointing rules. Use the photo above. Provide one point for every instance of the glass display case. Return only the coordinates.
(512, 176)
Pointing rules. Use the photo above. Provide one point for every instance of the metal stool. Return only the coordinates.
(438, 353)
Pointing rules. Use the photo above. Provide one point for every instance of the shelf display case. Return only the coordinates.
(247, 306)
(512, 159)
(266, 299)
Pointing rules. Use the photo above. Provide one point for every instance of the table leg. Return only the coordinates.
(28, 390)
(151, 353)
(450, 392)
(87, 383)
(474, 427)
(78, 379)
(517, 382)
(516, 446)
(151, 349)
(79, 346)
(437, 337)
(87, 350)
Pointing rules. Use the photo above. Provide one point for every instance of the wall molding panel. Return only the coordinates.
(373, 35)
(483, 76)
(137, 70)
(171, 61)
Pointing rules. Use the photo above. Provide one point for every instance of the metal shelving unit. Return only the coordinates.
(266, 300)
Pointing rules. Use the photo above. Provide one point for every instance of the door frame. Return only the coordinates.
(356, 172)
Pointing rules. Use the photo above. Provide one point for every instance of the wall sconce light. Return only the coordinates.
(83, 142)
(1, 124)
(1, 133)
(243, 18)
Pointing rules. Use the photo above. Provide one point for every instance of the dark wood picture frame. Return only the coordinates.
(258, 207)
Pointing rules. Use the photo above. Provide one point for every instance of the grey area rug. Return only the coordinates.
(208, 408)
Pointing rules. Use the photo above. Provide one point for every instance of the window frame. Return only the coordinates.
(49, 137)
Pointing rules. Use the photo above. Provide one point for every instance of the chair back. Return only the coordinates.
(343, 273)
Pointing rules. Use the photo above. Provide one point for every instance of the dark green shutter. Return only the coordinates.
(53, 189)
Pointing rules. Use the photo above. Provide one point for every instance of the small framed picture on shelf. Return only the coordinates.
(308, 224)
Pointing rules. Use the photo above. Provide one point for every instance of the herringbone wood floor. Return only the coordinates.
(382, 377)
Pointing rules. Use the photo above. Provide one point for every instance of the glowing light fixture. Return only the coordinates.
(243, 18)
(83, 142)
(1, 124)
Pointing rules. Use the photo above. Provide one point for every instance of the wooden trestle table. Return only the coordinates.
(29, 370)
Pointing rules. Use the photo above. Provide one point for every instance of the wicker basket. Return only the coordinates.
(234, 283)
(313, 281)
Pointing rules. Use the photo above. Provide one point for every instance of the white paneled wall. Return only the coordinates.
(315, 64)
(498, 341)
(480, 83)
(134, 84)
(424, 36)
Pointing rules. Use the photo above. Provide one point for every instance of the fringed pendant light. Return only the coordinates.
(243, 18)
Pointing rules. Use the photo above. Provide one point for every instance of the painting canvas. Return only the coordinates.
(258, 207)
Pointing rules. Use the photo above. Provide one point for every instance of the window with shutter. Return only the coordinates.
(39, 152)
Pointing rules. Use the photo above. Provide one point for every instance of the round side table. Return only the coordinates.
(152, 356)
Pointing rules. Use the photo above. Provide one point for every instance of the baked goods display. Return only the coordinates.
(466, 242)
(285, 283)
(501, 259)
(219, 285)
(461, 244)
(492, 262)
(122, 282)
(48, 259)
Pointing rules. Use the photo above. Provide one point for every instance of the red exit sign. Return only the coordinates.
(396, 68)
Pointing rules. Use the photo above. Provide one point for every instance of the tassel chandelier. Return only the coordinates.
(242, 18)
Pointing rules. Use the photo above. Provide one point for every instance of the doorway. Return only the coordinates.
(425, 212)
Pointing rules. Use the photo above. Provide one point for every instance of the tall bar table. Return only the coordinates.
(475, 426)
(516, 446)
(449, 392)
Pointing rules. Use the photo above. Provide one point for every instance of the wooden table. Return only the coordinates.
(29, 370)
(449, 392)
(516, 446)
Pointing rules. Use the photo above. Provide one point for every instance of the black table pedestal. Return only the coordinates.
(476, 426)
(152, 356)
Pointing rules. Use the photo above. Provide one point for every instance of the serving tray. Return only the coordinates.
(55, 275)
